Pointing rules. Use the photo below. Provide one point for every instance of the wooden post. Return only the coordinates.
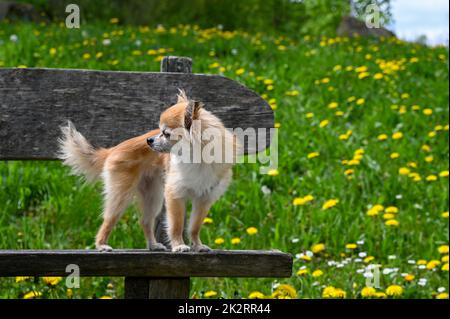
(176, 65)
(156, 288)
(161, 288)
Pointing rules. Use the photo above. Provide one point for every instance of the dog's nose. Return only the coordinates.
(150, 141)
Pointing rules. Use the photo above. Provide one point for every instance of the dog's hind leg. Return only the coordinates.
(151, 196)
(118, 193)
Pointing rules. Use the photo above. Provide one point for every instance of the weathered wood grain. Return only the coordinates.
(109, 107)
(142, 263)
(136, 288)
(169, 288)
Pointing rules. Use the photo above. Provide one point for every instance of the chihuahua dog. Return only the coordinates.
(161, 164)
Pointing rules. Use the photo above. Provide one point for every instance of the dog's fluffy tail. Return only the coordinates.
(75, 151)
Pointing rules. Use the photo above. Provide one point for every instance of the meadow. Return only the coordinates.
(363, 162)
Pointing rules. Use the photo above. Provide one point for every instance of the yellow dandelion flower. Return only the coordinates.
(349, 172)
(363, 75)
(431, 178)
(427, 112)
(360, 101)
(313, 155)
(378, 76)
(52, 281)
(256, 295)
(444, 215)
(429, 159)
(114, 20)
(382, 137)
(391, 210)
(368, 292)
(397, 135)
(388, 216)
(333, 105)
(368, 259)
(330, 203)
(409, 277)
(445, 267)
(214, 65)
(240, 71)
(361, 69)
(207, 220)
(86, 56)
(219, 241)
(252, 231)
(444, 259)
(443, 249)
(309, 115)
(442, 295)
(22, 278)
(395, 155)
(305, 258)
(332, 292)
(235, 241)
(394, 290)
(302, 272)
(210, 293)
(32, 294)
(404, 171)
(317, 248)
(324, 123)
(351, 246)
(273, 172)
(284, 292)
(52, 51)
(392, 223)
(317, 273)
(293, 93)
(433, 264)
(421, 262)
(443, 174)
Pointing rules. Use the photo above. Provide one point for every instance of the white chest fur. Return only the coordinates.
(207, 181)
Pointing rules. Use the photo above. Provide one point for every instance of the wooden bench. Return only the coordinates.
(109, 107)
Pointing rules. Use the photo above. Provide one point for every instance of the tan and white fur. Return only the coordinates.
(146, 167)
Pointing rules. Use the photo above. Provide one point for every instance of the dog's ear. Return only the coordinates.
(192, 113)
(182, 97)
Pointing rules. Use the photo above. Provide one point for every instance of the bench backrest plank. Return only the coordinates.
(109, 107)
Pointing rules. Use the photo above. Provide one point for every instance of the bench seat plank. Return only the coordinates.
(143, 263)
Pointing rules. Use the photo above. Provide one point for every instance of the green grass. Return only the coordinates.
(42, 206)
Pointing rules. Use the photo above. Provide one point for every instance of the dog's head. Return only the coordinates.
(176, 123)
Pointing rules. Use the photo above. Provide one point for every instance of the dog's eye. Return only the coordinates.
(166, 134)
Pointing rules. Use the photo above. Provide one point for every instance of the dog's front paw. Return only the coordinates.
(201, 248)
(157, 247)
(104, 248)
(181, 249)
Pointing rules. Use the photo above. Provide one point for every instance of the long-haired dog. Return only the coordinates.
(159, 164)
